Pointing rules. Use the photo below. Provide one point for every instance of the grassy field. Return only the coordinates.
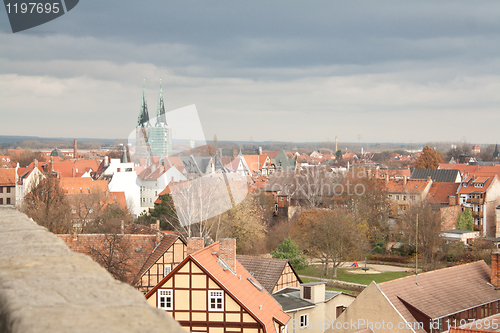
(343, 275)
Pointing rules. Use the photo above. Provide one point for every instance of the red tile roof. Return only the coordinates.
(412, 185)
(468, 330)
(469, 181)
(440, 192)
(176, 162)
(152, 173)
(271, 154)
(259, 303)
(392, 173)
(119, 198)
(80, 185)
(471, 169)
(255, 162)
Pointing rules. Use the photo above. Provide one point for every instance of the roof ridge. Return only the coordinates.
(251, 256)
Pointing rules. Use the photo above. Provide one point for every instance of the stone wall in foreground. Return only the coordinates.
(45, 287)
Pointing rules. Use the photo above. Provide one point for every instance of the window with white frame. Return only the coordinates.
(166, 270)
(165, 299)
(304, 319)
(216, 300)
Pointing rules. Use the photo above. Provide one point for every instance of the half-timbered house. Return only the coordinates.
(168, 253)
(210, 291)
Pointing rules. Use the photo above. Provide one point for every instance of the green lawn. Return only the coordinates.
(343, 275)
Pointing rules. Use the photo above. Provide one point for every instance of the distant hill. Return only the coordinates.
(36, 142)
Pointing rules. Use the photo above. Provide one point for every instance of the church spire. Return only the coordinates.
(160, 111)
(144, 114)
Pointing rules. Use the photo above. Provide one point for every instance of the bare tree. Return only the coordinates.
(330, 235)
(114, 254)
(199, 201)
(429, 228)
(47, 205)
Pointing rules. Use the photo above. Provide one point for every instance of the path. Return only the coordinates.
(334, 280)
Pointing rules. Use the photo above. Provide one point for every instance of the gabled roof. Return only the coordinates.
(440, 192)
(272, 154)
(7, 176)
(72, 185)
(176, 162)
(259, 303)
(255, 162)
(152, 173)
(119, 198)
(468, 183)
(442, 292)
(411, 186)
(392, 173)
(166, 242)
(86, 165)
(437, 175)
(265, 270)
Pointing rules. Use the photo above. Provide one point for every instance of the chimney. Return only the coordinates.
(405, 180)
(495, 273)
(386, 179)
(227, 252)
(75, 235)
(260, 150)
(75, 155)
(194, 244)
(429, 179)
(123, 227)
(235, 152)
(158, 236)
(451, 200)
(35, 163)
(158, 225)
(106, 161)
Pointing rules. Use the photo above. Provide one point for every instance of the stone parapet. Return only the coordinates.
(45, 287)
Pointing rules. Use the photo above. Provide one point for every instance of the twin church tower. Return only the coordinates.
(152, 137)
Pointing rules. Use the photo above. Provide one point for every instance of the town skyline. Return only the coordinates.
(414, 72)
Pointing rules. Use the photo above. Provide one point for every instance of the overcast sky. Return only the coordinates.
(369, 71)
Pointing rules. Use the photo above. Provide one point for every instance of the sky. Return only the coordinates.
(299, 71)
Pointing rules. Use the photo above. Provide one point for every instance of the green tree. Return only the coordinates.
(465, 221)
(429, 159)
(290, 250)
(165, 212)
(338, 154)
